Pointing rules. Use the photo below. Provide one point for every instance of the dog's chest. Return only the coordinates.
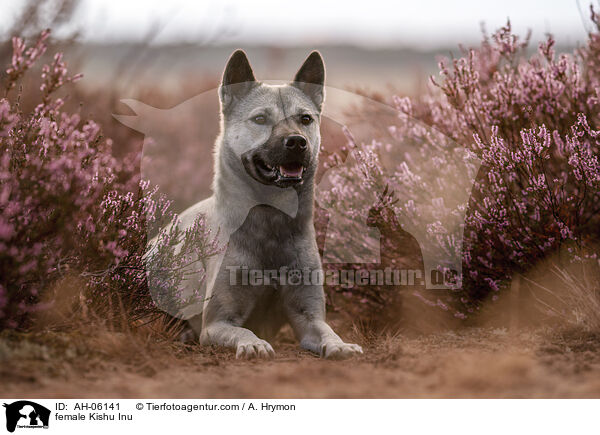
(269, 237)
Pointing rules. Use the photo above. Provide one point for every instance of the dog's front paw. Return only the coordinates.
(254, 349)
(339, 350)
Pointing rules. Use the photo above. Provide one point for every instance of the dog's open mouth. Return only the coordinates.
(285, 171)
(282, 175)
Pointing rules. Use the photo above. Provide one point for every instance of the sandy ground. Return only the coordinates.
(472, 363)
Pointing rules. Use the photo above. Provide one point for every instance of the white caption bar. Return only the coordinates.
(182, 416)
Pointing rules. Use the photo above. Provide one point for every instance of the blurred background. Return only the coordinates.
(163, 53)
(158, 55)
(370, 45)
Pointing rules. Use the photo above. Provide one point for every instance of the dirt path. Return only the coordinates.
(474, 363)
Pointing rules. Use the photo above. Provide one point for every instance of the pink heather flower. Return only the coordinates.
(534, 121)
(66, 204)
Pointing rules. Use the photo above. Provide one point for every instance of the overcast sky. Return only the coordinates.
(416, 23)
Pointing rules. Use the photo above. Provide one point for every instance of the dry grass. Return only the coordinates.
(74, 352)
(94, 361)
(573, 296)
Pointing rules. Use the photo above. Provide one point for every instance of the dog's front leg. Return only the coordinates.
(317, 336)
(305, 307)
(244, 341)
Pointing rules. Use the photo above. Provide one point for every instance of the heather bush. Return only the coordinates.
(533, 122)
(68, 206)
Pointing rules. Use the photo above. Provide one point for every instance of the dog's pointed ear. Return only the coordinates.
(310, 78)
(238, 78)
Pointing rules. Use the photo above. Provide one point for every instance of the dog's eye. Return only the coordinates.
(260, 119)
(306, 119)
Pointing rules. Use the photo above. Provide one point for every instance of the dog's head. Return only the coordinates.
(273, 130)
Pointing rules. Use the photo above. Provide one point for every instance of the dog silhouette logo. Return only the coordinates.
(26, 414)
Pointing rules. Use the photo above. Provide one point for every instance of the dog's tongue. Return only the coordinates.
(291, 170)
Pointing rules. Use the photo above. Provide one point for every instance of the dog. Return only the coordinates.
(266, 157)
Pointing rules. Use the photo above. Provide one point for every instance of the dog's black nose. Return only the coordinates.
(295, 142)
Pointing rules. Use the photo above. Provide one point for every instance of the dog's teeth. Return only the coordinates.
(291, 172)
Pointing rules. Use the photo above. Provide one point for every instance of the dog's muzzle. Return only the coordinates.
(283, 165)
